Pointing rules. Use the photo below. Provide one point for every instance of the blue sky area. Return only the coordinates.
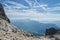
(40, 10)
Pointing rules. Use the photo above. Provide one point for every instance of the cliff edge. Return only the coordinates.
(2, 13)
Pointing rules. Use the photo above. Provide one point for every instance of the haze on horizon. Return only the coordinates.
(40, 10)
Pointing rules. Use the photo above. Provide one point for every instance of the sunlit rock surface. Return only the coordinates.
(10, 32)
(2, 13)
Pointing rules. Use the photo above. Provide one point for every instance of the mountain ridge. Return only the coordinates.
(10, 32)
(33, 27)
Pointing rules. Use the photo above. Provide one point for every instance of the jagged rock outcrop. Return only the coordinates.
(2, 13)
(51, 31)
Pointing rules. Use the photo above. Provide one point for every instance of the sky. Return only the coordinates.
(40, 10)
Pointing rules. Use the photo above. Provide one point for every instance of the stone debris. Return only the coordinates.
(10, 32)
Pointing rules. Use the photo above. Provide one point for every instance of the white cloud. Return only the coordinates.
(35, 4)
(30, 4)
(17, 5)
(56, 7)
(53, 9)
(33, 15)
(58, 4)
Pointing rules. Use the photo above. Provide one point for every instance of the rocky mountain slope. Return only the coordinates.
(10, 32)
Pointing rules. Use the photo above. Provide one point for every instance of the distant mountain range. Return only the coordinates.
(33, 27)
(10, 32)
(57, 23)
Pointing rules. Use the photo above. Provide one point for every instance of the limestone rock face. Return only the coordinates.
(2, 13)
